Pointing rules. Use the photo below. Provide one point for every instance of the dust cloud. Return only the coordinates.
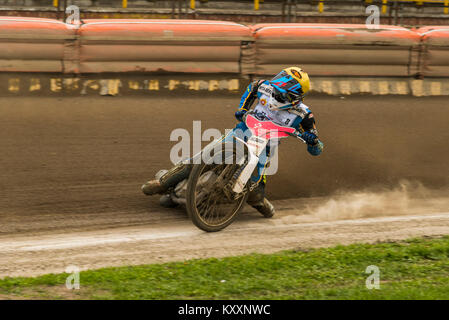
(408, 198)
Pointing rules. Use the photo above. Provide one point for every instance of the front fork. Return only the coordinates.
(255, 147)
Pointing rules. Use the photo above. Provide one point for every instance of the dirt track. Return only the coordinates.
(72, 170)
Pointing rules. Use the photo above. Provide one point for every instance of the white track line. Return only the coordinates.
(116, 236)
(357, 221)
(74, 241)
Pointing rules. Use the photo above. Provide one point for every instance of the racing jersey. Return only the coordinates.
(299, 118)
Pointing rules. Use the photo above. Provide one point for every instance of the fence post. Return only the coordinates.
(64, 14)
(295, 3)
(384, 6)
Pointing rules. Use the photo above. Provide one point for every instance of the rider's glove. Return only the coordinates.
(310, 138)
(239, 114)
(315, 150)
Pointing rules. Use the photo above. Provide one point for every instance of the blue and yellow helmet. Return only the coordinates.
(291, 85)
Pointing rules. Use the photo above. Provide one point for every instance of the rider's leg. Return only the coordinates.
(258, 201)
(170, 179)
(182, 170)
(257, 198)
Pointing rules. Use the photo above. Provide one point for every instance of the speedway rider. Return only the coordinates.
(279, 100)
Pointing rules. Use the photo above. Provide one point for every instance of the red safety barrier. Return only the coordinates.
(434, 31)
(33, 44)
(24, 25)
(197, 46)
(165, 28)
(331, 49)
(161, 45)
(435, 57)
(354, 31)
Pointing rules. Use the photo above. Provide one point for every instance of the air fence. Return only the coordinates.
(113, 56)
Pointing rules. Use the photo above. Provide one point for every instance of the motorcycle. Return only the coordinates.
(218, 185)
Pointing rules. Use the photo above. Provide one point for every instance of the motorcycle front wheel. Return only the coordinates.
(208, 206)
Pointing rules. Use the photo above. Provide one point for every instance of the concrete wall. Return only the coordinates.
(27, 84)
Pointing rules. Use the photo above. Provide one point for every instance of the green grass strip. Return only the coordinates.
(413, 269)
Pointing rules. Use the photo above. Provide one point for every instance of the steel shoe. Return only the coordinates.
(153, 187)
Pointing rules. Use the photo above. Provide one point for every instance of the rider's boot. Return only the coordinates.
(265, 208)
(169, 179)
(153, 187)
(257, 200)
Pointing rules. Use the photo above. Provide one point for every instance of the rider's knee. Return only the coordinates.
(175, 175)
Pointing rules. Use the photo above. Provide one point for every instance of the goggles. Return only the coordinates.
(287, 96)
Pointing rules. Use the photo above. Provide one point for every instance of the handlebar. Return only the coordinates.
(296, 135)
(299, 136)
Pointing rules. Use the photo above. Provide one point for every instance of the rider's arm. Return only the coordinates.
(310, 135)
(250, 95)
(248, 98)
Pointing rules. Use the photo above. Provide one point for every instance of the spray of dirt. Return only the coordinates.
(406, 199)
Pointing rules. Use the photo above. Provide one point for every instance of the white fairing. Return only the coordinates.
(255, 147)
